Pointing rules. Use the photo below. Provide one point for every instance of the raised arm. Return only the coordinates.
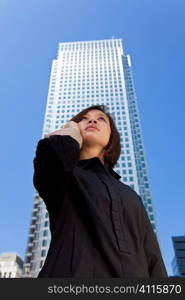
(56, 156)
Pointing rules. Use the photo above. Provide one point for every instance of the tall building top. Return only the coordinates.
(93, 41)
(80, 45)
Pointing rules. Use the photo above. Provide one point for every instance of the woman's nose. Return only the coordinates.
(92, 121)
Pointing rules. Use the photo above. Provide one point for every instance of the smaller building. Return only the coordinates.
(178, 262)
(11, 265)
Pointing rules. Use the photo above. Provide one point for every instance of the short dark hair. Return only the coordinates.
(113, 148)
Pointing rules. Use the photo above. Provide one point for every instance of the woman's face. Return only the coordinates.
(100, 134)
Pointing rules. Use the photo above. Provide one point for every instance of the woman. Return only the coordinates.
(99, 226)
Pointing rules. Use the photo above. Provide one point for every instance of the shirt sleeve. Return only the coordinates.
(55, 158)
(154, 258)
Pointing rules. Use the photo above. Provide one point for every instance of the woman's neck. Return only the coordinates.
(87, 153)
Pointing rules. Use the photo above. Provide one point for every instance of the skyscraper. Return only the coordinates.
(11, 265)
(85, 74)
(178, 262)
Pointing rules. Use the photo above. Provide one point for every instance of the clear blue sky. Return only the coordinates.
(154, 35)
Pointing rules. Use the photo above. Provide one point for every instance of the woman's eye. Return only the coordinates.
(99, 118)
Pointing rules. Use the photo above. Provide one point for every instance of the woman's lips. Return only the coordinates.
(91, 128)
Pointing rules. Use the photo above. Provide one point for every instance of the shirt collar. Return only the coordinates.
(85, 162)
(114, 173)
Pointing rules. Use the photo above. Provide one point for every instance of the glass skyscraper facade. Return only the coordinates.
(88, 73)
(178, 262)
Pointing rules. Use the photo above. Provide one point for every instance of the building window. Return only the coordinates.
(132, 186)
(43, 253)
(44, 243)
(46, 223)
(45, 233)
(41, 263)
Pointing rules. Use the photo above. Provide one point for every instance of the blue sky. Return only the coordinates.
(153, 34)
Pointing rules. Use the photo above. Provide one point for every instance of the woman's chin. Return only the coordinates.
(90, 141)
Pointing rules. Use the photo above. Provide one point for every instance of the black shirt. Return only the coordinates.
(99, 226)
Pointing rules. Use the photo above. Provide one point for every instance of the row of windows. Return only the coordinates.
(65, 110)
(5, 274)
(103, 43)
(89, 66)
(88, 62)
(85, 104)
(73, 105)
(129, 171)
(88, 84)
(179, 242)
(90, 50)
(84, 97)
(126, 157)
(125, 179)
(89, 92)
(111, 99)
(91, 46)
(63, 80)
(104, 57)
(92, 80)
(93, 74)
(84, 88)
(79, 86)
(110, 57)
(98, 79)
(124, 165)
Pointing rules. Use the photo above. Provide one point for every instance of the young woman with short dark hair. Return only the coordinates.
(99, 226)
